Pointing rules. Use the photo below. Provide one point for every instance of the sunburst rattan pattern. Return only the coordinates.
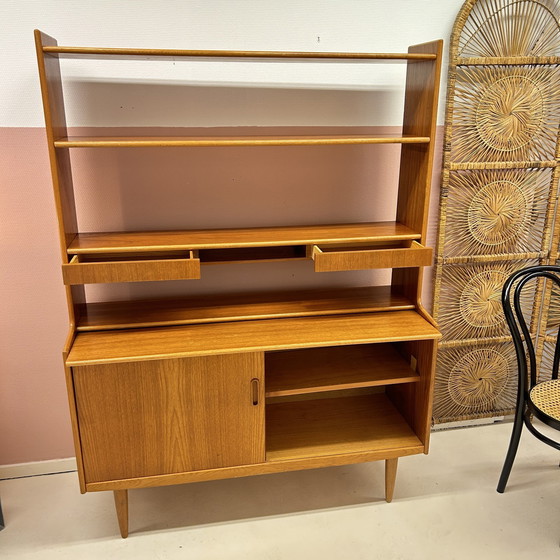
(473, 381)
(496, 211)
(470, 300)
(506, 28)
(506, 114)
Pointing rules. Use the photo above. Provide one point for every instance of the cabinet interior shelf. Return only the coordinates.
(315, 370)
(326, 427)
(171, 54)
(121, 242)
(238, 307)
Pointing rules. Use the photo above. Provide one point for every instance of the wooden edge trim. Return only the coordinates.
(248, 470)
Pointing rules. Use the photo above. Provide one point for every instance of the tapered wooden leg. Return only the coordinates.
(390, 477)
(121, 503)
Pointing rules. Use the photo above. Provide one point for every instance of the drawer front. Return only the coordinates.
(406, 255)
(81, 271)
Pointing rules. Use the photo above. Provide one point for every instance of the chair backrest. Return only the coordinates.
(524, 347)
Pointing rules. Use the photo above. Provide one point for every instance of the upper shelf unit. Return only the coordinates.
(397, 242)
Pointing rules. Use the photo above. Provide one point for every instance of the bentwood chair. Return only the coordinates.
(536, 398)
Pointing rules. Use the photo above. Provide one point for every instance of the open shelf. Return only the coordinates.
(248, 336)
(314, 370)
(121, 242)
(324, 427)
(171, 54)
(239, 307)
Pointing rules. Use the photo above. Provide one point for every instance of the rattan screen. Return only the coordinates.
(498, 196)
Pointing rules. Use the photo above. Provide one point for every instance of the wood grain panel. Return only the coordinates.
(153, 418)
(296, 372)
(261, 468)
(120, 242)
(335, 426)
(401, 255)
(55, 126)
(420, 114)
(247, 336)
(61, 169)
(84, 271)
(415, 176)
(239, 307)
(415, 403)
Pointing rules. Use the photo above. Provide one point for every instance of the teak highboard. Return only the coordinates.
(188, 389)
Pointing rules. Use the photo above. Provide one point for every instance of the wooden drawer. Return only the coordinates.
(398, 254)
(97, 269)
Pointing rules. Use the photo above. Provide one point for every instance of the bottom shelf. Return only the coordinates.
(335, 426)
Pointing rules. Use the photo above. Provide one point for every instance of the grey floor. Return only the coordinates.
(445, 507)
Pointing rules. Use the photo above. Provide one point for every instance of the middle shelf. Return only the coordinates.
(219, 308)
(205, 141)
(231, 238)
(178, 255)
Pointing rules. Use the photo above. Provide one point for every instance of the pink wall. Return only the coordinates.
(150, 189)
(33, 322)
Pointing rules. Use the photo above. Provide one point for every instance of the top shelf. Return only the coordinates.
(173, 54)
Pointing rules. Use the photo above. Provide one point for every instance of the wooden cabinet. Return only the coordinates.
(186, 389)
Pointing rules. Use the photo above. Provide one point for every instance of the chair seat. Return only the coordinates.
(546, 397)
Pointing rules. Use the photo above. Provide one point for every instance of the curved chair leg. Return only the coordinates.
(512, 451)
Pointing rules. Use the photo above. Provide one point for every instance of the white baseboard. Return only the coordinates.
(468, 423)
(37, 468)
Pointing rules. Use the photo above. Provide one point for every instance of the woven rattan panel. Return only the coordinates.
(498, 197)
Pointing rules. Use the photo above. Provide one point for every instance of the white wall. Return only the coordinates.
(305, 25)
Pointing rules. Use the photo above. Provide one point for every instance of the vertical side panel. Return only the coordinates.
(61, 171)
(73, 412)
(420, 116)
(414, 400)
(55, 124)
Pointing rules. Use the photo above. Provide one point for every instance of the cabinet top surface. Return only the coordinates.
(248, 336)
